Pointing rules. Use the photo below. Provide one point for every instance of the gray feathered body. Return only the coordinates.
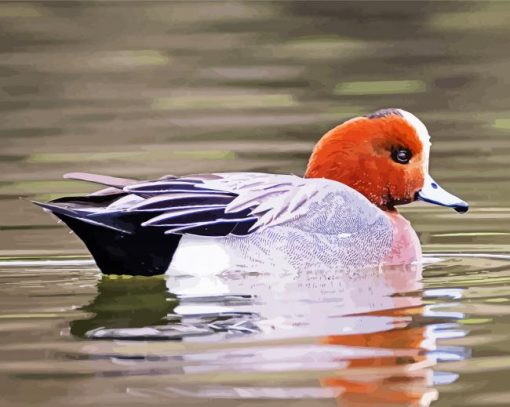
(246, 220)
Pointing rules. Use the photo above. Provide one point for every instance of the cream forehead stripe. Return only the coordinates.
(422, 133)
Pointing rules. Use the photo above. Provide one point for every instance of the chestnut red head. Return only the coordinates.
(384, 156)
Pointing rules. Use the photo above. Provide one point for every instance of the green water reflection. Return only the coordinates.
(126, 303)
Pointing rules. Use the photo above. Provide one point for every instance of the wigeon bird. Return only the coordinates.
(342, 214)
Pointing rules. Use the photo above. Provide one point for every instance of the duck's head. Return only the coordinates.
(385, 156)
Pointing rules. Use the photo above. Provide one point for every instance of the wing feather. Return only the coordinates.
(217, 227)
(106, 180)
(165, 187)
(169, 201)
(206, 204)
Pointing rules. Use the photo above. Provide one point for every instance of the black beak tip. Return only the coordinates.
(461, 207)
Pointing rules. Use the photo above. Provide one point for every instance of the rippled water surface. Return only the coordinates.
(145, 89)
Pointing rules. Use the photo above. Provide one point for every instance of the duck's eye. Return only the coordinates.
(401, 155)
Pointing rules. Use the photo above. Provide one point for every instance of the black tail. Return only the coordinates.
(137, 251)
(146, 252)
(117, 241)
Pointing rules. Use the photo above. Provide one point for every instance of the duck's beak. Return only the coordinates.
(434, 194)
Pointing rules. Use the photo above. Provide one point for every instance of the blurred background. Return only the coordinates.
(142, 89)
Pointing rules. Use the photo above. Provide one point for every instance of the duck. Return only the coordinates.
(341, 214)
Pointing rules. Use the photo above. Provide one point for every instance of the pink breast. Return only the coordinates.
(406, 246)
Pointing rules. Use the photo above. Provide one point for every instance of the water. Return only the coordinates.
(361, 339)
(142, 90)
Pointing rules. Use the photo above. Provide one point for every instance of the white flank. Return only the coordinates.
(198, 255)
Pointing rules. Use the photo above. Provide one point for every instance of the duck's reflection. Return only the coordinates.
(405, 378)
(358, 338)
(305, 305)
(126, 303)
(381, 357)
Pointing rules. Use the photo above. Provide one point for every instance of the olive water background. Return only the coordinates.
(145, 89)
